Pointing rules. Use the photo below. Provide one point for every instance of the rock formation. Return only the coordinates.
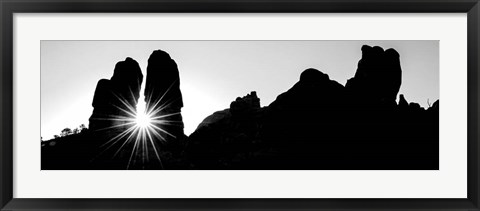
(320, 124)
(102, 109)
(113, 100)
(241, 108)
(378, 77)
(227, 138)
(116, 97)
(317, 124)
(244, 105)
(163, 97)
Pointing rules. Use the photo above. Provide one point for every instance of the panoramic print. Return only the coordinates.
(240, 105)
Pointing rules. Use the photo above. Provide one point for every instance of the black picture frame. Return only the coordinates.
(9, 7)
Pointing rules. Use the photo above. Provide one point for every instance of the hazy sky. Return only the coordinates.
(214, 73)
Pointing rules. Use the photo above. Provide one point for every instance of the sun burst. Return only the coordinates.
(143, 120)
(143, 126)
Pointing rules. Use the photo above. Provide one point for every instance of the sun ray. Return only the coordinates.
(160, 129)
(133, 96)
(154, 148)
(126, 104)
(119, 136)
(127, 112)
(165, 115)
(159, 100)
(133, 152)
(116, 126)
(162, 107)
(158, 135)
(125, 142)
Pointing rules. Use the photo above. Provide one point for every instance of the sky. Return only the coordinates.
(214, 73)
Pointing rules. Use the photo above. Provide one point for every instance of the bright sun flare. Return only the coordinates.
(143, 120)
(142, 126)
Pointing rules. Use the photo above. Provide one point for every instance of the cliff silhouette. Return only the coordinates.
(318, 124)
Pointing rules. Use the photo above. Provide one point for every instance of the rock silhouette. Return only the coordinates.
(163, 99)
(117, 99)
(117, 96)
(245, 105)
(378, 77)
(162, 92)
(224, 139)
(317, 124)
(114, 100)
(112, 135)
(320, 124)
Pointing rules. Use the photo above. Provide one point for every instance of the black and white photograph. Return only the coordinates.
(239, 105)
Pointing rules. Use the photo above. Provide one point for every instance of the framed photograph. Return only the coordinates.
(220, 105)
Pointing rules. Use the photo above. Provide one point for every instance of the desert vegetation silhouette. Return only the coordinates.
(318, 124)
